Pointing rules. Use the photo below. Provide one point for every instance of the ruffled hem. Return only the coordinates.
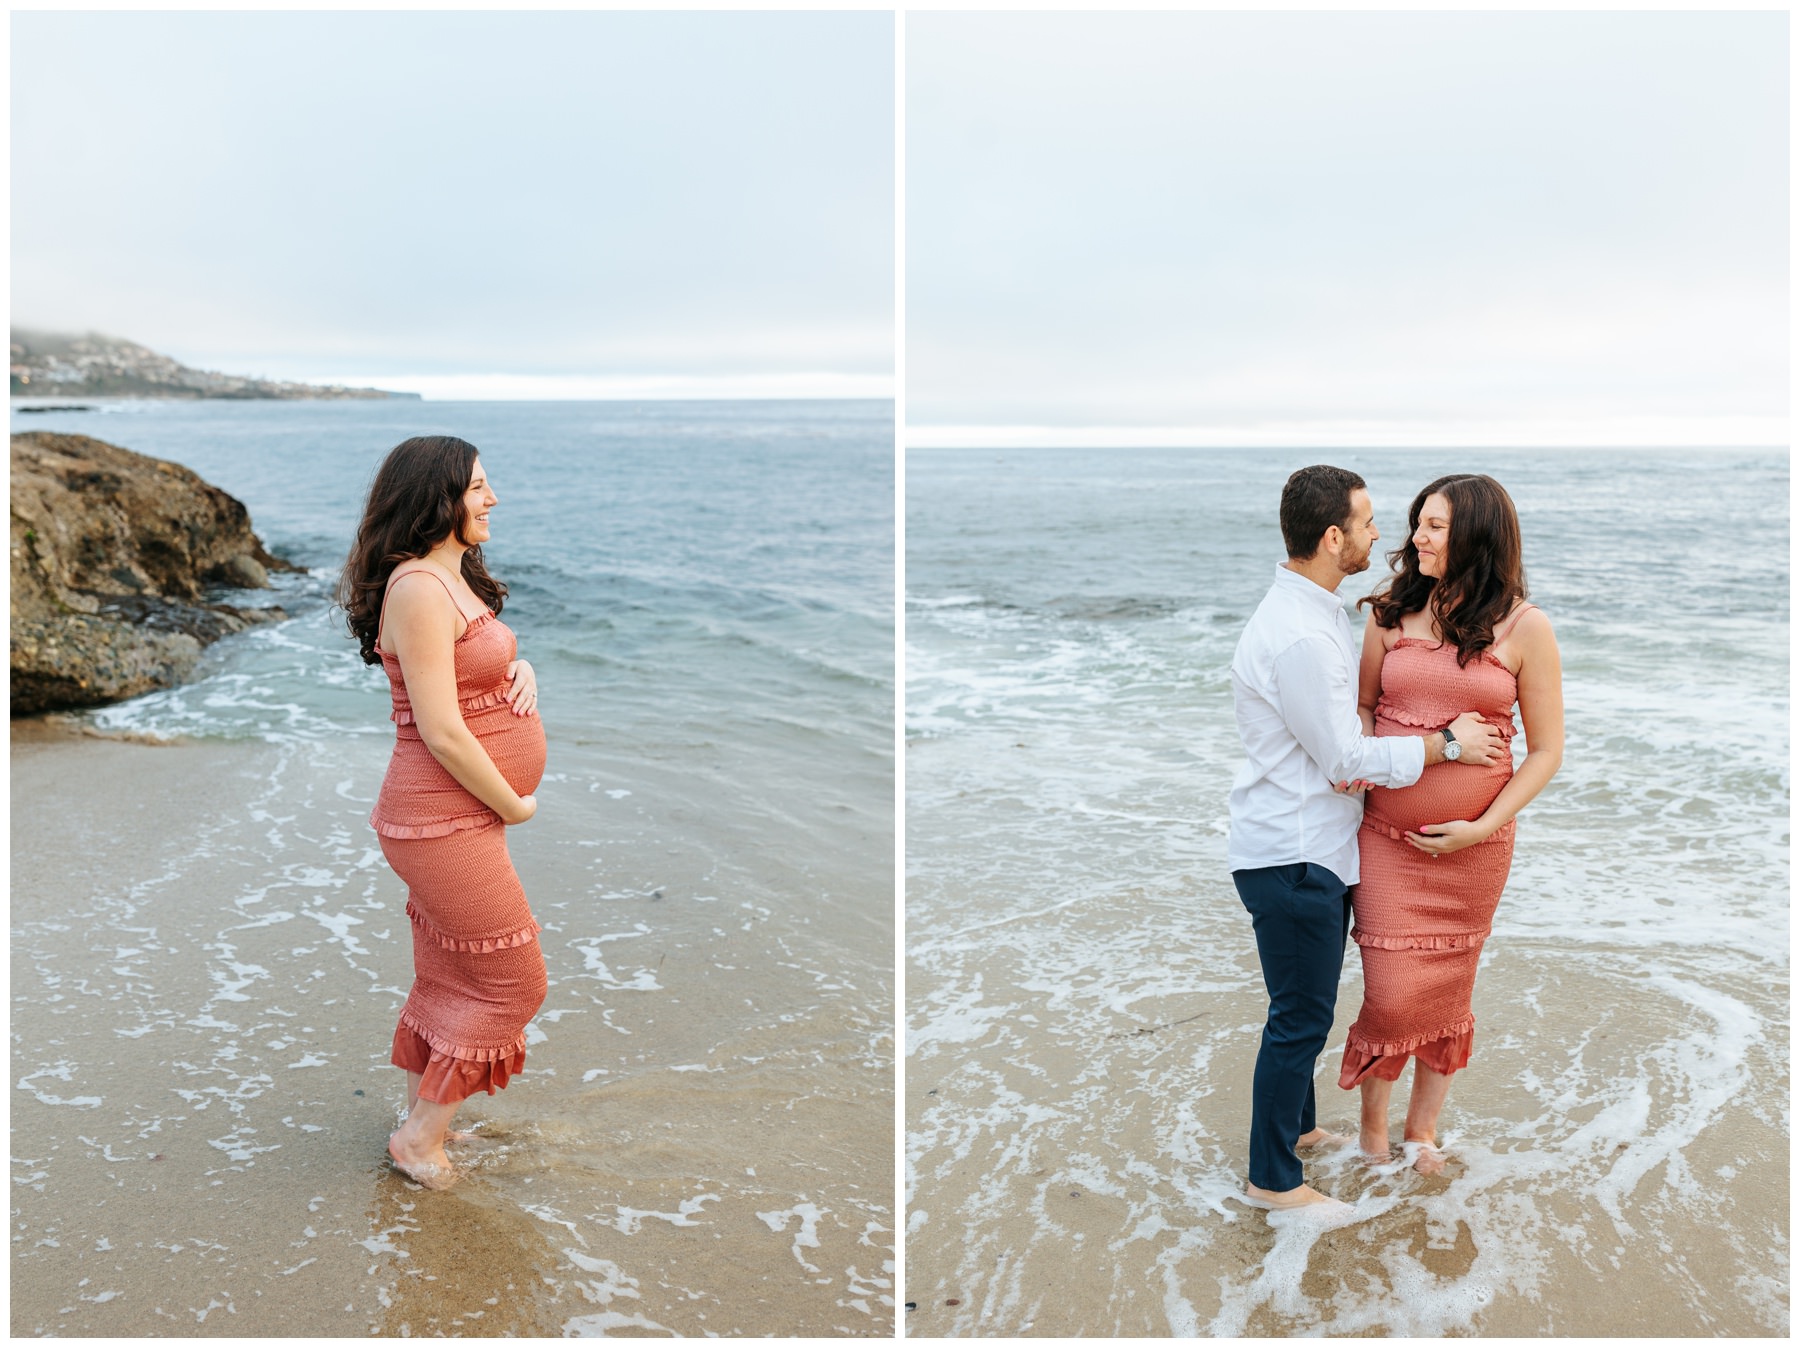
(523, 936)
(1462, 940)
(446, 1080)
(404, 715)
(469, 625)
(1398, 717)
(1443, 1051)
(1426, 725)
(1484, 654)
(1382, 1048)
(441, 828)
(461, 1052)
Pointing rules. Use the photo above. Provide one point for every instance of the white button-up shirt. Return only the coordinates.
(1293, 681)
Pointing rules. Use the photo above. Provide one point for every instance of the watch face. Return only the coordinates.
(1453, 751)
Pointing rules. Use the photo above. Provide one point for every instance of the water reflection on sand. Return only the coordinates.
(208, 957)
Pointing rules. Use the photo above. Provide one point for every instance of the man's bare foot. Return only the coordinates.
(1318, 1137)
(1304, 1196)
(1429, 1160)
(430, 1168)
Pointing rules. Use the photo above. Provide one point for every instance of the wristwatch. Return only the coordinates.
(1452, 750)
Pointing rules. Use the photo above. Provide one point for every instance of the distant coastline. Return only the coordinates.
(90, 365)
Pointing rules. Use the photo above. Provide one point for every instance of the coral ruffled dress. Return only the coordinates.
(478, 974)
(1420, 920)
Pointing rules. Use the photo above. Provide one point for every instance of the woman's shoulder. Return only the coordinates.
(1384, 636)
(1525, 637)
(420, 594)
(1527, 620)
(408, 584)
(1414, 625)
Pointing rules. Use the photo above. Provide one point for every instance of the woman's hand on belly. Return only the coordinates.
(1437, 839)
(523, 694)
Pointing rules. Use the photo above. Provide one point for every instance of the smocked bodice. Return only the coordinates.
(419, 797)
(1423, 689)
(484, 650)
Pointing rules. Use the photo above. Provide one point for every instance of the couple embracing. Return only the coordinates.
(1381, 787)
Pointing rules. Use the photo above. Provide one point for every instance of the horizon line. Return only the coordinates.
(1599, 433)
(808, 385)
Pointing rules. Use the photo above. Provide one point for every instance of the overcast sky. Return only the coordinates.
(1347, 228)
(537, 201)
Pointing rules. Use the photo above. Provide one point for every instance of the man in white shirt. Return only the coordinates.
(1296, 806)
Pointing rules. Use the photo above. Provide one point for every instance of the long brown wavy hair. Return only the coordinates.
(1483, 571)
(414, 504)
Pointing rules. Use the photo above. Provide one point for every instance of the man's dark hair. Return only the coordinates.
(1314, 499)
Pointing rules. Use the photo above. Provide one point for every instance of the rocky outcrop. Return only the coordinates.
(112, 556)
(58, 365)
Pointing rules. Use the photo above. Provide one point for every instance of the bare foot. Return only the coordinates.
(432, 1169)
(1284, 1200)
(1318, 1137)
(1429, 1160)
(1375, 1145)
(454, 1137)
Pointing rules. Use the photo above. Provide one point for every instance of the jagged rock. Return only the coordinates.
(111, 554)
(243, 571)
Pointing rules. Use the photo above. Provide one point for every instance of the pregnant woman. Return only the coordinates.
(468, 752)
(1450, 631)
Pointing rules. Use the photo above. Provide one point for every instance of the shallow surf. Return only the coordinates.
(1083, 994)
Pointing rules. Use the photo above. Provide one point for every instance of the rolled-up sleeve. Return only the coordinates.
(1312, 683)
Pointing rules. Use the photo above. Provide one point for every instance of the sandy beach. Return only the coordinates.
(1077, 1132)
(208, 954)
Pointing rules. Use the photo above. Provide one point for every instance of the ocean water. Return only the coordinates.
(706, 592)
(1082, 994)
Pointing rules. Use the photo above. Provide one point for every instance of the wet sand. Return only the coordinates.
(1077, 1101)
(208, 955)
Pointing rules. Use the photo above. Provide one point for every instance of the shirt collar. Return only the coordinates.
(1326, 600)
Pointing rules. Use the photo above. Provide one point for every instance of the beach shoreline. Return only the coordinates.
(208, 956)
(57, 727)
(1075, 1155)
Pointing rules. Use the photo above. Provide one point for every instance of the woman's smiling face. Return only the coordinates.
(476, 502)
(1432, 537)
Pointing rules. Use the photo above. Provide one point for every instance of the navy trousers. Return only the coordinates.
(1301, 916)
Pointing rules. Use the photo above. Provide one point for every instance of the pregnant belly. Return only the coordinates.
(1446, 791)
(515, 743)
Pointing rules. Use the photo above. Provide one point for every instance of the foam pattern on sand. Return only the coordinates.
(202, 1087)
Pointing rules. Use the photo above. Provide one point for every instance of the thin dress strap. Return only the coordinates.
(1512, 622)
(381, 625)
